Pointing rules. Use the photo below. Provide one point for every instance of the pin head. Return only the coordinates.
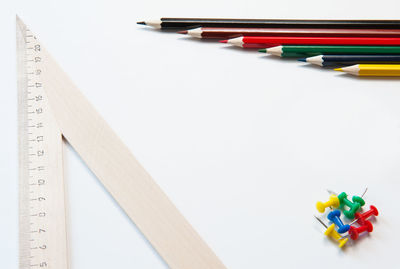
(358, 199)
(353, 233)
(374, 210)
(343, 242)
(330, 230)
(333, 214)
(370, 228)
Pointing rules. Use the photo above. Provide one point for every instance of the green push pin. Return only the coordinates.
(354, 205)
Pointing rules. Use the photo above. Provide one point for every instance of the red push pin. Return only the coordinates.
(355, 231)
(362, 217)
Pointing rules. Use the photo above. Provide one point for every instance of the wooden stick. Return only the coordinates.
(121, 174)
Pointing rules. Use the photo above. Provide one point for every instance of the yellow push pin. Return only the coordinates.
(332, 233)
(332, 202)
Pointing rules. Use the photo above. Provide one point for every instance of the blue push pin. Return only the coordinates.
(334, 216)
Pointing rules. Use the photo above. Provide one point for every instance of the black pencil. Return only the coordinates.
(327, 60)
(188, 23)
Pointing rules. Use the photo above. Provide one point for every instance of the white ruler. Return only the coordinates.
(42, 240)
(52, 107)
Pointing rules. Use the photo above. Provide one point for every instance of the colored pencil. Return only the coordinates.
(187, 23)
(268, 41)
(220, 32)
(327, 60)
(372, 70)
(304, 51)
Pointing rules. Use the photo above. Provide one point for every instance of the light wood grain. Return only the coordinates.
(42, 234)
(121, 174)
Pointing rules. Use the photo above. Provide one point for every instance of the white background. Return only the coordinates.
(244, 144)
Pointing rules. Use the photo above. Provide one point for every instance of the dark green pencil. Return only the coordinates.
(302, 51)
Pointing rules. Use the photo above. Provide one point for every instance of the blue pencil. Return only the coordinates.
(326, 60)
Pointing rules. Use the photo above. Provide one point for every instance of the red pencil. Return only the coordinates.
(264, 41)
(224, 33)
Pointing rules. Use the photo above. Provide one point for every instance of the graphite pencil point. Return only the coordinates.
(141, 22)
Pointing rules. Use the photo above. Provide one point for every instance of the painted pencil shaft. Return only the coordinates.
(327, 60)
(372, 70)
(222, 33)
(297, 50)
(188, 23)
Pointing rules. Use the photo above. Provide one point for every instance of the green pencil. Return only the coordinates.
(301, 51)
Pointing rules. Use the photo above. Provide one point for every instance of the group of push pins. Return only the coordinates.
(359, 221)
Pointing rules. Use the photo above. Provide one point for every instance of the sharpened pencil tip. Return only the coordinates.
(141, 22)
(183, 32)
(302, 60)
(223, 41)
(338, 69)
(262, 50)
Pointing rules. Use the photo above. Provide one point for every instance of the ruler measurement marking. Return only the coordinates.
(43, 244)
(33, 134)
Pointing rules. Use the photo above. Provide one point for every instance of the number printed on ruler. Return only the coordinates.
(38, 159)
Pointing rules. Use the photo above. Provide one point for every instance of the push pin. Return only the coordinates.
(362, 217)
(334, 216)
(330, 232)
(355, 231)
(332, 202)
(354, 206)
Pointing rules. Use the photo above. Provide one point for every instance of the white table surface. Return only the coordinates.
(244, 144)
